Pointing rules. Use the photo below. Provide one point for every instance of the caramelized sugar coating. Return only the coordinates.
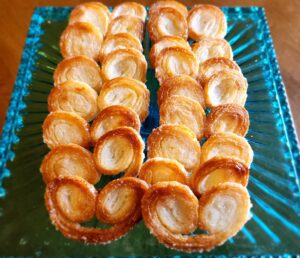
(81, 38)
(94, 13)
(164, 42)
(207, 48)
(111, 118)
(129, 63)
(119, 150)
(79, 68)
(167, 22)
(72, 200)
(69, 160)
(174, 61)
(75, 97)
(119, 41)
(214, 65)
(155, 7)
(230, 118)
(218, 170)
(125, 92)
(226, 87)
(62, 127)
(163, 169)
(206, 20)
(130, 9)
(182, 85)
(181, 110)
(175, 142)
(171, 210)
(127, 24)
(228, 145)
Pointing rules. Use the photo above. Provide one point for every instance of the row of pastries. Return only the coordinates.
(98, 103)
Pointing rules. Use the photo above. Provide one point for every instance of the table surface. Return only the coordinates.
(283, 18)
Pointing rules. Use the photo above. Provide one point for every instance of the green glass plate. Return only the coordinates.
(25, 228)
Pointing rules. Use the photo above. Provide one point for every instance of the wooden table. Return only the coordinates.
(283, 17)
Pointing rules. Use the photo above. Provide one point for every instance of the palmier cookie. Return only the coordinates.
(130, 9)
(126, 92)
(62, 127)
(155, 7)
(175, 142)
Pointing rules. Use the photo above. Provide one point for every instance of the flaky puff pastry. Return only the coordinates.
(129, 63)
(226, 87)
(79, 68)
(130, 9)
(95, 13)
(181, 110)
(175, 142)
(62, 127)
(125, 92)
(207, 48)
(164, 42)
(113, 117)
(127, 24)
(72, 200)
(155, 7)
(170, 210)
(75, 97)
(206, 20)
(182, 85)
(163, 169)
(69, 160)
(214, 65)
(231, 118)
(118, 41)
(228, 145)
(167, 21)
(174, 61)
(81, 38)
(218, 170)
(119, 150)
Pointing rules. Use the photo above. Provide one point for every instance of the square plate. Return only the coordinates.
(274, 186)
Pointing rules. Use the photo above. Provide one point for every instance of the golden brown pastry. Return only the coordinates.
(181, 110)
(113, 117)
(130, 9)
(214, 65)
(207, 48)
(206, 20)
(118, 41)
(119, 150)
(175, 142)
(129, 63)
(174, 61)
(182, 85)
(167, 22)
(76, 97)
(72, 200)
(62, 127)
(228, 145)
(231, 118)
(155, 7)
(120, 200)
(226, 87)
(218, 170)
(79, 68)
(81, 38)
(69, 160)
(163, 169)
(171, 210)
(125, 92)
(164, 42)
(95, 13)
(127, 24)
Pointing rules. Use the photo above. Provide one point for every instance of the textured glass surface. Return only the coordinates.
(25, 228)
